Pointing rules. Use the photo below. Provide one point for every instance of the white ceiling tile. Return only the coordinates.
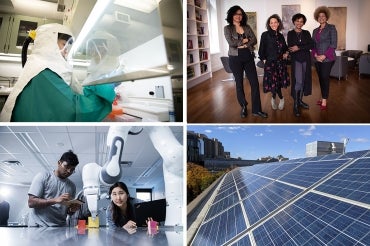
(53, 141)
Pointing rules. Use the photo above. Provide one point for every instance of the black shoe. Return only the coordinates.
(244, 112)
(260, 113)
(300, 102)
(303, 105)
(296, 110)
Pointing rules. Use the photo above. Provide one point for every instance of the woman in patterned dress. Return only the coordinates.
(273, 51)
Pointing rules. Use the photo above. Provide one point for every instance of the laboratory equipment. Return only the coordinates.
(167, 146)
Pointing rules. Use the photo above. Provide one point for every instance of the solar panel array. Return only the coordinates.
(309, 201)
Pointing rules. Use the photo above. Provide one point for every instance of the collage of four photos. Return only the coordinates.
(197, 122)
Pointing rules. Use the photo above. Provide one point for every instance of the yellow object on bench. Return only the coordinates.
(93, 223)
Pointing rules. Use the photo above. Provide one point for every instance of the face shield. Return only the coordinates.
(103, 51)
(65, 43)
(97, 50)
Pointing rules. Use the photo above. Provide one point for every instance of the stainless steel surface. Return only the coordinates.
(92, 236)
(131, 76)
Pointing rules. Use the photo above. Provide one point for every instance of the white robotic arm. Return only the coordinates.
(171, 152)
(94, 175)
(167, 146)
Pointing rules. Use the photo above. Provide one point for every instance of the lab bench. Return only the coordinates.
(91, 236)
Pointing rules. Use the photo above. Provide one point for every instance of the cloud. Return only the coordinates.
(360, 140)
(208, 131)
(258, 135)
(308, 131)
(233, 127)
(268, 129)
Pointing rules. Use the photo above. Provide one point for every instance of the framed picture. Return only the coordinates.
(287, 12)
(338, 17)
(252, 22)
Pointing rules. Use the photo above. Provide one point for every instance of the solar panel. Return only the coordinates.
(316, 158)
(220, 205)
(355, 154)
(315, 220)
(246, 189)
(268, 199)
(281, 170)
(310, 201)
(352, 183)
(330, 157)
(221, 228)
(309, 173)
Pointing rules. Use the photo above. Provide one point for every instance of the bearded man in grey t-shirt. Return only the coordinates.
(49, 192)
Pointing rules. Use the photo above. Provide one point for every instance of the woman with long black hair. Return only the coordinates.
(241, 41)
(121, 212)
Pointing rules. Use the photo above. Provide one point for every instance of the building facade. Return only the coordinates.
(200, 147)
(323, 148)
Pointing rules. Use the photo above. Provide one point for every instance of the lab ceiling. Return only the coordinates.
(39, 148)
(321, 200)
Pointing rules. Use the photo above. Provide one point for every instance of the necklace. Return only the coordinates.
(299, 36)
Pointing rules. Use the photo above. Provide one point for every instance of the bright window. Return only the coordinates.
(144, 194)
(213, 26)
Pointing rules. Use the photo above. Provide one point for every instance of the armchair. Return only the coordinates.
(226, 64)
(340, 67)
(355, 54)
(364, 64)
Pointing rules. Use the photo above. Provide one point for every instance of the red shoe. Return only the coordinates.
(322, 107)
(319, 102)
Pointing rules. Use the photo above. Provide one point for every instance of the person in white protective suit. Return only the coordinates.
(43, 91)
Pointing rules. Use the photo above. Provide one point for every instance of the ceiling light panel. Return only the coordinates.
(146, 6)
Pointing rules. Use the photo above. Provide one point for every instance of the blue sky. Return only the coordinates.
(255, 141)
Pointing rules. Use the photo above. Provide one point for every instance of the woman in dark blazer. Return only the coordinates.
(300, 43)
(241, 41)
(325, 42)
(273, 51)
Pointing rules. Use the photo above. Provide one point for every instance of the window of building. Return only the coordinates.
(144, 194)
(213, 26)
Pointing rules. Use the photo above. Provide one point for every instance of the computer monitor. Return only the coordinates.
(155, 209)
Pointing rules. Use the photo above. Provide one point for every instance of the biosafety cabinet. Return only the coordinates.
(136, 46)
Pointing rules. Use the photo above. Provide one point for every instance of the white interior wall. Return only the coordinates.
(357, 20)
(362, 25)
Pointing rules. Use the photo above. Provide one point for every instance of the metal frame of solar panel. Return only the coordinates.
(307, 201)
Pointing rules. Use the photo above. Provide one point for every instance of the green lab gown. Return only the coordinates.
(48, 98)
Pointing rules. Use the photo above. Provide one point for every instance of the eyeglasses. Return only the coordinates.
(69, 169)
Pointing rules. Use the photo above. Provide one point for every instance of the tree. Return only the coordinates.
(198, 179)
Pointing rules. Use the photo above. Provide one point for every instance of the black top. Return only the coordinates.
(304, 42)
(272, 46)
(122, 220)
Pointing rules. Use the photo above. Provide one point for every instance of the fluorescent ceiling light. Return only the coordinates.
(4, 192)
(94, 16)
(145, 6)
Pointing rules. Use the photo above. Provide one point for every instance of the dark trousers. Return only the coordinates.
(323, 71)
(244, 62)
(300, 71)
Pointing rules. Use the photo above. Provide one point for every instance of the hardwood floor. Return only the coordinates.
(214, 101)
